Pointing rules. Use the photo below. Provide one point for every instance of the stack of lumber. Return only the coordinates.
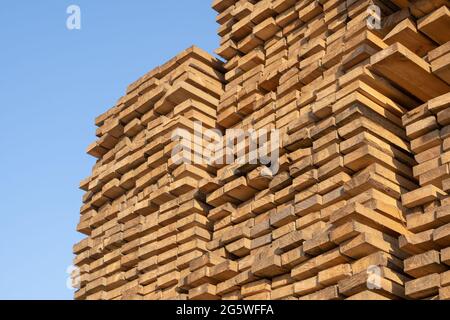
(356, 209)
(332, 212)
(143, 213)
(428, 128)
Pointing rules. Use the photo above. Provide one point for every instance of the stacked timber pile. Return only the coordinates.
(350, 209)
(337, 91)
(428, 127)
(143, 213)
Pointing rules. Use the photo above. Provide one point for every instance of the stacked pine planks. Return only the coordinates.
(429, 245)
(143, 213)
(426, 128)
(313, 230)
(358, 208)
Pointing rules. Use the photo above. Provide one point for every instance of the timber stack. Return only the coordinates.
(143, 213)
(353, 202)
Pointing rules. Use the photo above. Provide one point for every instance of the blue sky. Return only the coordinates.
(53, 83)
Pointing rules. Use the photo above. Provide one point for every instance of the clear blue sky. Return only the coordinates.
(53, 83)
